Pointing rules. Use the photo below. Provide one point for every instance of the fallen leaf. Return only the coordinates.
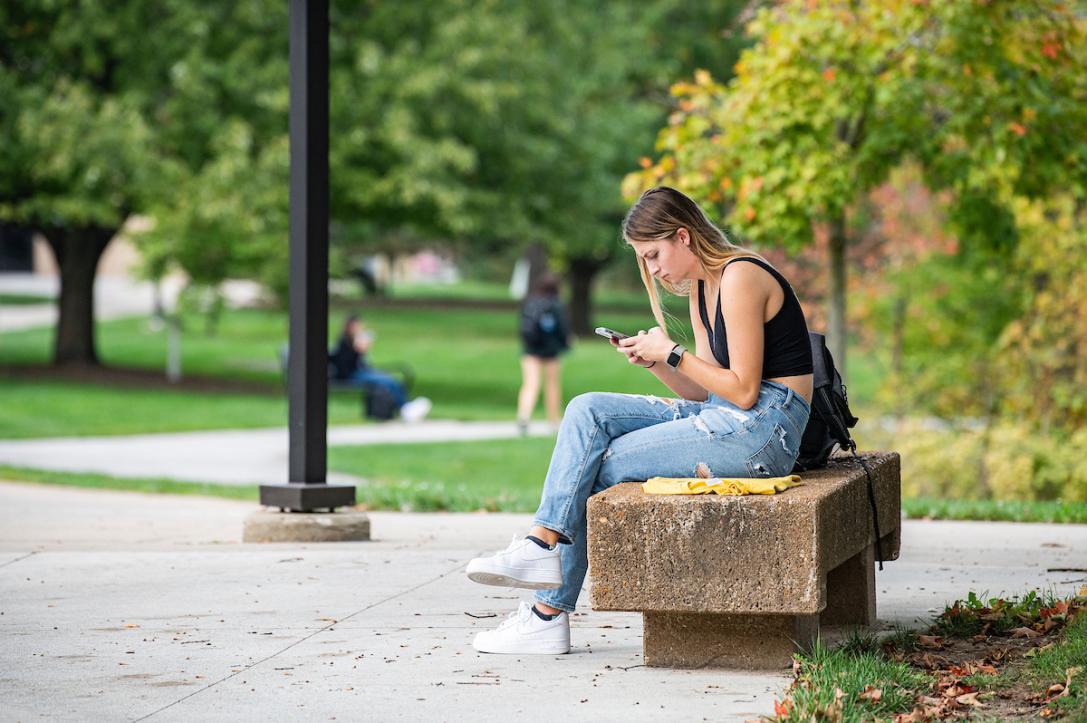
(969, 699)
(1069, 674)
(931, 641)
(1025, 632)
(871, 693)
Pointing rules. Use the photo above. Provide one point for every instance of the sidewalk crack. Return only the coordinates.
(265, 659)
(17, 559)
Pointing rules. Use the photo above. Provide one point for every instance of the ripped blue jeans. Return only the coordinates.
(609, 438)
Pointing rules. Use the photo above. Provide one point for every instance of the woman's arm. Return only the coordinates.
(743, 305)
(679, 383)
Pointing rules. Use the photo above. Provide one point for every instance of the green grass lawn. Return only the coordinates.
(24, 299)
(500, 475)
(467, 361)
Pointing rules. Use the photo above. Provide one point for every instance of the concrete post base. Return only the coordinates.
(708, 640)
(270, 526)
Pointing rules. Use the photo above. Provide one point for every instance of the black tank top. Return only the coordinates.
(786, 348)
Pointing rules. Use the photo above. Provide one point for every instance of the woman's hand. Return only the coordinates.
(632, 358)
(649, 347)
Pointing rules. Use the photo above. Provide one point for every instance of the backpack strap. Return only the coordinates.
(871, 501)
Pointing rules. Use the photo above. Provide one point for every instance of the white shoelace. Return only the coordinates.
(513, 543)
(521, 613)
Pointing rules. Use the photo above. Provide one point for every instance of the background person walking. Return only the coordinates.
(544, 337)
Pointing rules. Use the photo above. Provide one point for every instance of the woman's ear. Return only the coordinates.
(683, 236)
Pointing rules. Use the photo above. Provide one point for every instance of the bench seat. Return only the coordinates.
(744, 581)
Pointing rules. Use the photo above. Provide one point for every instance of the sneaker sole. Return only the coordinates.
(499, 580)
(538, 649)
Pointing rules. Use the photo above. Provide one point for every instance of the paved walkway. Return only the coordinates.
(126, 606)
(226, 456)
(114, 298)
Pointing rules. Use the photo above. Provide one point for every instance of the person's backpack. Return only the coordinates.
(380, 403)
(829, 423)
(830, 419)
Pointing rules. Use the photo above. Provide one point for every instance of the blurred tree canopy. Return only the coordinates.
(989, 98)
(484, 125)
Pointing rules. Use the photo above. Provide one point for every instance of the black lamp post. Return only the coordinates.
(307, 372)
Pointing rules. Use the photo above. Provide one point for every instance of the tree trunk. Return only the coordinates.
(77, 251)
(836, 327)
(537, 264)
(582, 272)
(898, 343)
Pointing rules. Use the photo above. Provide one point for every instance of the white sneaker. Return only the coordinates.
(522, 564)
(524, 633)
(415, 410)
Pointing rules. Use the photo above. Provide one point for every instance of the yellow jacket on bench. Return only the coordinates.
(719, 485)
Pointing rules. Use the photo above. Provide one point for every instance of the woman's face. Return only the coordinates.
(670, 259)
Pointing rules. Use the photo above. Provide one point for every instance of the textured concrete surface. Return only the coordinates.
(344, 525)
(737, 642)
(851, 591)
(127, 606)
(759, 554)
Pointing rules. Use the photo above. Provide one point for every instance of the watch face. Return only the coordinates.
(674, 356)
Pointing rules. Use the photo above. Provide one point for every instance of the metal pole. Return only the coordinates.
(307, 371)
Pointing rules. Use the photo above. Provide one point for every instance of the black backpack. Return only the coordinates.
(829, 424)
(380, 403)
(830, 419)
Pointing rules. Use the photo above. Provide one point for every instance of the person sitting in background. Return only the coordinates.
(544, 336)
(348, 364)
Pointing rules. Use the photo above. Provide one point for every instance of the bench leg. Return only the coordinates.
(851, 591)
(694, 640)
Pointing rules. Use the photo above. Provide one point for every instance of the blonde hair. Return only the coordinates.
(657, 216)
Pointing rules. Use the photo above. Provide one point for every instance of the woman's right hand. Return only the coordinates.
(632, 358)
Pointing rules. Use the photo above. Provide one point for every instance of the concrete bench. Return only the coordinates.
(743, 582)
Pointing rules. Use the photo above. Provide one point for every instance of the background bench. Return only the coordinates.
(744, 581)
(397, 369)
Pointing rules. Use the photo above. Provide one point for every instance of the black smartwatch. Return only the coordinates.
(674, 356)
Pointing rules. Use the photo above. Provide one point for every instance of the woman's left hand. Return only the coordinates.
(653, 345)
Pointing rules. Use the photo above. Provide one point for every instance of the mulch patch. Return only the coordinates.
(953, 660)
(128, 378)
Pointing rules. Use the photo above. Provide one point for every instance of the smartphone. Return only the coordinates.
(610, 333)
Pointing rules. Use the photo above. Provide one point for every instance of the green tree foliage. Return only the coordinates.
(79, 149)
(988, 97)
(1042, 370)
(485, 125)
(498, 125)
(171, 109)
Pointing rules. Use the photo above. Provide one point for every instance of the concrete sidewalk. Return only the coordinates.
(125, 606)
(251, 456)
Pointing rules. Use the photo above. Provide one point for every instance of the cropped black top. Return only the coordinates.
(786, 348)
